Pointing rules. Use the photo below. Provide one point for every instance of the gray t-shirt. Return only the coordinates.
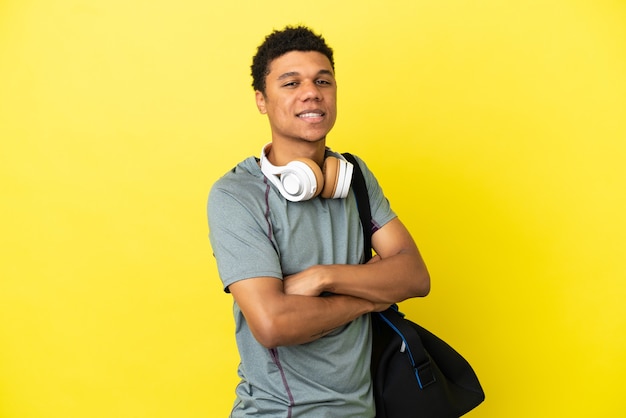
(256, 232)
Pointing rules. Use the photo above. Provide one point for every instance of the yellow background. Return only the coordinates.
(497, 129)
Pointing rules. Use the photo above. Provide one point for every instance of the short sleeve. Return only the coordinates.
(240, 234)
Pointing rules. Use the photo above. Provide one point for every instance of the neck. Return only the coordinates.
(282, 151)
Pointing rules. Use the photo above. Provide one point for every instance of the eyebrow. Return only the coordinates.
(295, 73)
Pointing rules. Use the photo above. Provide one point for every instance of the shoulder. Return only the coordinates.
(368, 175)
(242, 182)
(352, 158)
(379, 204)
(247, 172)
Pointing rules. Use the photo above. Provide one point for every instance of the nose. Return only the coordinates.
(310, 91)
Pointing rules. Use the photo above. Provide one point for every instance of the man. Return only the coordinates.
(291, 258)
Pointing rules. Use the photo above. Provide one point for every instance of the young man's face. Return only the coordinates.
(300, 96)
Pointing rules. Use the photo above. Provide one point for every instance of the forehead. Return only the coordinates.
(301, 62)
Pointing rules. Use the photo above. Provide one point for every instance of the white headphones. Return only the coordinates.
(302, 179)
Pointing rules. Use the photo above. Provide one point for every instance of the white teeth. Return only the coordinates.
(310, 115)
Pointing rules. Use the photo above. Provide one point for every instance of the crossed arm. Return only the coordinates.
(291, 311)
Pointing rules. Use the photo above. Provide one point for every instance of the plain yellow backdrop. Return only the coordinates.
(497, 129)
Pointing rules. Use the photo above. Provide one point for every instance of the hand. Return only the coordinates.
(308, 282)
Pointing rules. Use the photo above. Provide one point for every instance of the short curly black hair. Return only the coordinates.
(280, 42)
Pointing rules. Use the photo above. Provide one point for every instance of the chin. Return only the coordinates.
(315, 137)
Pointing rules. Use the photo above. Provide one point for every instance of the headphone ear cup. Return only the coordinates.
(331, 177)
(337, 178)
(317, 174)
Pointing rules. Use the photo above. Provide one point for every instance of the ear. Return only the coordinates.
(260, 102)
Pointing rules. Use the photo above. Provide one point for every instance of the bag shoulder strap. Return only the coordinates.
(392, 316)
(363, 204)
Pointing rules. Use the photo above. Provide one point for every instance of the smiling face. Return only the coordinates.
(300, 97)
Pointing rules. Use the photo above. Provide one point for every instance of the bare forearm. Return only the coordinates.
(391, 280)
(387, 280)
(296, 319)
(398, 272)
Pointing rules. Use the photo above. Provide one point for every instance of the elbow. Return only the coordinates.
(418, 288)
(267, 343)
(422, 285)
(268, 333)
(267, 340)
(420, 277)
(425, 288)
